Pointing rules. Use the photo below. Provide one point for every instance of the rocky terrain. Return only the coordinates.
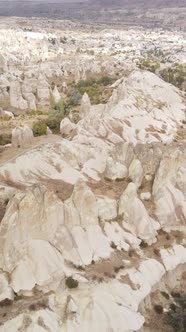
(166, 14)
(92, 216)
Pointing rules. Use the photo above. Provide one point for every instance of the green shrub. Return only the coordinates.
(71, 283)
(165, 295)
(34, 112)
(39, 128)
(105, 80)
(6, 303)
(176, 316)
(149, 64)
(175, 75)
(5, 117)
(5, 139)
(54, 119)
(51, 101)
(85, 83)
(113, 246)
(167, 246)
(59, 106)
(119, 179)
(158, 308)
(143, 244)
(94, 88)
(74, 97)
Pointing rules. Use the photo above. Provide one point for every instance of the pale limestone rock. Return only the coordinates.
(22, 136)
(31, 100)
(22, 104)
(6, 193)
(38, 167)
(83, 305)
(123, 153)
(147, 275)
(6, 291)
(136, 172)
(2, 63)
(116, 235)
(85, 201)
(66, 127)
(107, 208)
(16, 99)
(85, 106)
(106, 296)
(72, 307)
(135, 216)
(33, 322)
(48, 131)
(43, 92)
(121, 238)
(142, 109)
(4, 87)
(81, 210)
(95, 167)
(10, 114)
(56, 95)
(148, 177)
(173, 256)
(35, 261)
(146, 196)
(42, 265)
(64, 87)
(115, 170)
(67, 231)
(169, 187)
(7, 113)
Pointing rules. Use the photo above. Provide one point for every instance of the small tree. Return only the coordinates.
(71, 283)
(39, 128)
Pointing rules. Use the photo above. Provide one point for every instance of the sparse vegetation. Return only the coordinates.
(5, 139)
(149, 64)
(74, 97)
(55, 115)
(143, 244)
(165, 295)
(120, 179)
(94, 88)
(176, 316)
(39, 128)
(54, 119)
(6, 303)
(175, 74)
(167, 246)
(71, 283)
(113, 245)
(34, 113)
(158, 308)
(5, 117)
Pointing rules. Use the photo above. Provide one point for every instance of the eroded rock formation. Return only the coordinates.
(103, 211)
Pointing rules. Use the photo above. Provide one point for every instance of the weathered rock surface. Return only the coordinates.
(136, 218)
(56, 95)
(22, 136)
(92, 207)
(66, 127)
(169, 188)
(85, 106)
(143, 108)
